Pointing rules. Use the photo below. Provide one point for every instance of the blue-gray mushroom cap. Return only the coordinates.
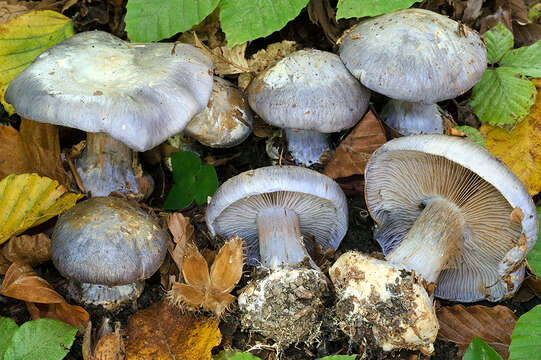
(308, 90)
(414, 55)
(107, 241)
(138, 93)
(318, 201)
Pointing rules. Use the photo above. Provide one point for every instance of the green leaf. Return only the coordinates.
(8, 327)
(339, 357)
(526, 338)
(498, 40)
(207, 183)
(156, 20)
(525, 60)
(22, 39)
(534, 255)
(234, 355)
(44, 339)
(245, 20)
(502, 98)
(472, 134)
(480, 350)
(193, 181)
(361, 8)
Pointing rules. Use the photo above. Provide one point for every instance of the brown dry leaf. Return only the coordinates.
(526, 35)
(461, 324)
(35, 148)
(108, 345)
(162, 332)
(209, 291)
(22, 283)
(183, 233)
(520, 148)
(354, 151)
(273, 53)
(10, 10)
(25, 249)
(534, 284)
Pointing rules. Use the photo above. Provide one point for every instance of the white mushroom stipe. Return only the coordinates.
(280, 238)
(307, 147)
(434, 241)
(412, 118)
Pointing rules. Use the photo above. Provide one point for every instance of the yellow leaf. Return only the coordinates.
(162, 332)
(22, 39)
(520, 148)
(28, 200)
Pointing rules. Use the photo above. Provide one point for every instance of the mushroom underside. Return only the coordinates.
(443, 221)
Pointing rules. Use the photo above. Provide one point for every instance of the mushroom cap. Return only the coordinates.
(308, 90)
(404, 172)
(226, 121)
(318, 201)
(107, 241)
(140, 94)
(377, 300)
(414, 55)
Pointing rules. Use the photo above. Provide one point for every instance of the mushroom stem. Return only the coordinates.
(413, 118)
(306, 146)
(106, 166)
(280, 238)
(110, 297)
(434, 242)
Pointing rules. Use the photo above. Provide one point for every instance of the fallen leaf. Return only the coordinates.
(520, 148)
(534, 284)
(526, 35)
(460, 324)
(28, 200)
(25, 249)
(24, 38)
(354, 151)
(183, 233)
(162, 331)
(269, 56)
(106, 344)
(22, 283)
(10, 10)
(35, 148)
(209, 291)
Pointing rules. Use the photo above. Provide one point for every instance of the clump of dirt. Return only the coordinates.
(285, 306)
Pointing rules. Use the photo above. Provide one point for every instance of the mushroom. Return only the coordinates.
(382, 305)
(226, 121)
(107, 247)
(126, 96)
(274, 209)
(308, 93)
(443, 206)
(415, 56)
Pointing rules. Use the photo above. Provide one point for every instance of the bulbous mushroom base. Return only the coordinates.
(285, 306)
(382, 305)
(109, 297)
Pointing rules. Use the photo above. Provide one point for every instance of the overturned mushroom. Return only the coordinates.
(383, 305)
(126, 96)
(309, 94)
(443, 206)
(107, 248)
(415, 56)
(275, 209)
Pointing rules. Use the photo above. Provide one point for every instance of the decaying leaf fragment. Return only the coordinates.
(183, 233)
(209, 291)
(106, 343)
(354, 151)
(22, 283)
(162, 331)
(460, 324)
(28, 200)
(25, 249)
(520, 148)
(34, 148)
